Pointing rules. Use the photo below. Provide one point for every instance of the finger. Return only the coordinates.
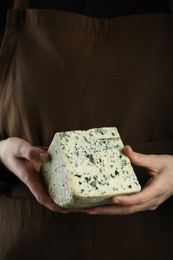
(32, 179)
(151, 162)
(111, 210)
(120, 210)
(46, 201)
(42, 197)
(22, 149)
(127, 208)
(149, 192)
(33, 154)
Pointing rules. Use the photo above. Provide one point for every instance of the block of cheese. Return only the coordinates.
(88, 168)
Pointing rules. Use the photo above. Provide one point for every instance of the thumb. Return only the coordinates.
(151, 162)
(32, 153)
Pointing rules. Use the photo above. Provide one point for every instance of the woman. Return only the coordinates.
(82, 66)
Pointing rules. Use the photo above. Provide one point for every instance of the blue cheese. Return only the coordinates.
(88, 168)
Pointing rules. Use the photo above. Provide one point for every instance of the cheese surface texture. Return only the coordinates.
(88, 168)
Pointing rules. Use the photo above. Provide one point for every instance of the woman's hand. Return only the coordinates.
(157, 190)
(24, 160)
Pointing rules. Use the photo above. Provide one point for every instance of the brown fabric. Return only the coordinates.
(21, 4)
(62, 71)
(67, 71)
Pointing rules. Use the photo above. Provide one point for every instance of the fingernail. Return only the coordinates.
(116, 202)
(43, 156)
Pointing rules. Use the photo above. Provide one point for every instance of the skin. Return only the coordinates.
(157, 190)
(24, 161)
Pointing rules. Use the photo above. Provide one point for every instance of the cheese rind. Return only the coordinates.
(88, 168)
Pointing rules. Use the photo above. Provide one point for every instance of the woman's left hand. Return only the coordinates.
(157, 190)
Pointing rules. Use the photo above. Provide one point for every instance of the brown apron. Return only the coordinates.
(63, 71)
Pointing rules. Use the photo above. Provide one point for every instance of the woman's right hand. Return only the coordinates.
(22, 159)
